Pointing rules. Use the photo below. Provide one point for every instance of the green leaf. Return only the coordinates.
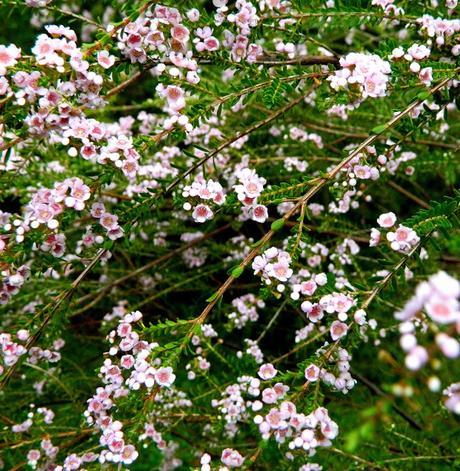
(277, 225)
(237, 271)
(379, 129)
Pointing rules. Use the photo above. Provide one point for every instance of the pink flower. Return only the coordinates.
(280, 270)
(165, 376)
(231, 458)
(443, 310)
(129, 454)
(8, 57)
(105, 60)
(180, 33)
(97, 210)
(259, 213)
(267, 371)
(202, 213)
(426, 75)
(269, 396)
(312, 373)
(108, 221)
(338, 330)
(386, 220)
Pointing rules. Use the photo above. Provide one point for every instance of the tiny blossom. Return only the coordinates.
(231, 458)
(267, 371)
(338, 330)
(386, 220)
(105, 60)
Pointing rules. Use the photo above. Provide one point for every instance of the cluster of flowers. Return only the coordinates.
(47, 204)
(388, 7)
(343, 381)
(438, 297)
(206, 190)
(12, 282)
(305, 432)
(300, 135)
(441, 28)
(245, 310)
(414, 54)
(273, 264)
(193, 256)
(244, 19)
(248, 189)
(355, 174)
(12, 350)
(107, 220)
(402, 239)
(159, 35)
(200, 363)
(253, 350)
(230, 458)
(142, 373)
(54, 244)
(118, 149)
(284, 422)
(339, 303)
(308, 285)
(368, 74)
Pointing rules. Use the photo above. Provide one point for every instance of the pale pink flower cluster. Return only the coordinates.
(194, 256)
(47, 453)
(47, 204)
(367, 73)
(107, 220)
(54, 244)
(241, 48)
(12, 282)
(245, 310)
(233, 406)
(248, 189)
(206, 190)
(273, 264)
(252, 349)
(245, 18)
(37, 354)
(160, 34)
(308, 286)
(442, 29)
(438, 297)
(300, 431)
(300, 135)
(11, 350)
(415, 53)
(402, 239)
(151, 433)
(388, 7)
(142, 374)
(118, 149)
(205, 41)
(341, 381)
